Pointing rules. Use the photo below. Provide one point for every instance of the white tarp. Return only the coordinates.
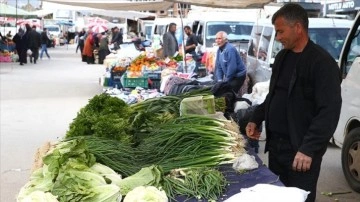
(161, 4)
(225, 4)
(117, 4)
(133, 15)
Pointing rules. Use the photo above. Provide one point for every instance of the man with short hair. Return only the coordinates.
(44, 41)
(302, 108)
(230, 72)
(170, 44)
(190, 46)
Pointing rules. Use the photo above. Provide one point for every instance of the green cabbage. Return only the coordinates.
(146, 194)
(40, 180)
(39, 196)
(146, 176)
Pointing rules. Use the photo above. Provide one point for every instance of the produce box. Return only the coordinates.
(202, 105)
(155, 84)
(135, 82)
(154, 75)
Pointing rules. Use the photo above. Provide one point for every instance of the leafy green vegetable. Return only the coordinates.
(39, 196)
(146, 194)
(40, 180)
(103, 116)
(146, 176)
(73, 150)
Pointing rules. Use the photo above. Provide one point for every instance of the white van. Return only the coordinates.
(237, 25)
(328, 33)
(347, 133)
(53, 30)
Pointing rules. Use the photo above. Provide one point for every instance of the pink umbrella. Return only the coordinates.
(31, 23)
(98, 20)
(98, 28)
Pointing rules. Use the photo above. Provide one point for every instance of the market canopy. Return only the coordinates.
(7, 10)
(117, 4)
(160, 4)
(227, 4)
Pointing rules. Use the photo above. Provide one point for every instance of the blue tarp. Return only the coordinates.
(66, 23)
(238, 181)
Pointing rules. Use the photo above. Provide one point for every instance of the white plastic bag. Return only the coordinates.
(271, 193)
(245, 162)
(29, 52)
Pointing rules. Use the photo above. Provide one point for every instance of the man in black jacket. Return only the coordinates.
(44, 42)
(302, 108)
(34, 42)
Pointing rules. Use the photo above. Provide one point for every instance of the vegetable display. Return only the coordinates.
(143, 152)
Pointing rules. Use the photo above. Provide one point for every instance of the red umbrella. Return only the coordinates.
(98, 28)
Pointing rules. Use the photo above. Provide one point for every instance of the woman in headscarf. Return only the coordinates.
(20, 45)
(88, 51)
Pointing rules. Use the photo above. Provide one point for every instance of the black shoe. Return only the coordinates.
(21, 64)
(30, 60)
(34, 61)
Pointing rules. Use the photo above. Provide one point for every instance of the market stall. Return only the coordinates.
(175, 147)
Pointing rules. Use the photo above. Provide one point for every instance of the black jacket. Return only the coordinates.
(313, 102)
(34, 40)
(44, 38)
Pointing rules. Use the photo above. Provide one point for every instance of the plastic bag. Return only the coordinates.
(29, 52)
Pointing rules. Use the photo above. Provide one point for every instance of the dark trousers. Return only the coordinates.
(35, 54)
(234, 87)
(102, 54)
(90, 60)
(281, 157)
(22, 55)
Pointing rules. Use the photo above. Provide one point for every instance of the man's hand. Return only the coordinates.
(302, 163)
(251, 131)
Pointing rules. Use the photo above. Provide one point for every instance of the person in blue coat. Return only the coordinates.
(230, 71)
(229, 67)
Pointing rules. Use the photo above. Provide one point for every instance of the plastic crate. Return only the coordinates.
(155, 84)
(154, 75)
(135, 82)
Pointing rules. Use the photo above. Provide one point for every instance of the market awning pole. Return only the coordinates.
(16, 17)
(182, 41)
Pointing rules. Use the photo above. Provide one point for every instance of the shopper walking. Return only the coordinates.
(44, 41)
(20, 45)
(34, 42)
(302, 108)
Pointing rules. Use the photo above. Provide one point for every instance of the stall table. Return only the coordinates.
(237, 181)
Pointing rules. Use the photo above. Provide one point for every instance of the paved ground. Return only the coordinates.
(37, 103)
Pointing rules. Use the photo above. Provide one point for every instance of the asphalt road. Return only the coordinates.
(37, 103)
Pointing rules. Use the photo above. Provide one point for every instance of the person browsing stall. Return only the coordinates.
(190, 46)
(170, 44)
(230, 72)
(228, 66)
(302, 108)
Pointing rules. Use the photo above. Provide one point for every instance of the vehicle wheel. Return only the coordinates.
(350, 159)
